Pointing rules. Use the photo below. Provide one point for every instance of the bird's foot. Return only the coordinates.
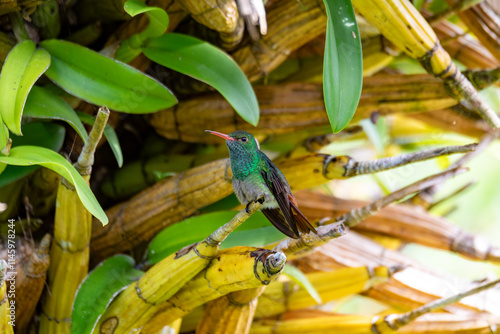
(260, 200)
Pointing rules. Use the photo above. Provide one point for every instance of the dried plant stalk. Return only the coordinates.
(30, 281)
(234, 269)
(404, 26)
(403, 222)
(483, 20)
(232, 313)
(298, 106)
(283, 295)
(5, 316)
(314, 321)
(290, 24)
(407, 289)
(463, 47)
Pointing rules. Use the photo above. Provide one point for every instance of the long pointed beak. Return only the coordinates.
(222, 135)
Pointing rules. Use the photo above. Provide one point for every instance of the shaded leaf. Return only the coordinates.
(298, 277)
(104, 81)
(205, 62)
(35, 155)
(158, 23)
(44, 134)
(110, 135)
(42, 103)
(23, 66)
(343, 64)
(256, 231)
(98, 290)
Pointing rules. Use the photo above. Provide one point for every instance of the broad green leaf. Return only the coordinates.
(98, 289)
(42, 103)
(298, 277)
(204, 62)
(35, 155)
(104, 81)
(110, 135)
(256, 231)
(23, 66)
(158, 23)
(44, 134)
(343, 64)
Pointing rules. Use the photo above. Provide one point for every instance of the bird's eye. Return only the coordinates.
(244, 139)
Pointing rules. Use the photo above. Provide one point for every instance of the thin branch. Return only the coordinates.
(355, 216)
(396, 321)
(368, 167)
(427, 195)
(222, 232)
(86, 158)
(325, 233)
(453, 194)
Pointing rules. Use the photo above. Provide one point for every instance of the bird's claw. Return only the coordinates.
(260, 200)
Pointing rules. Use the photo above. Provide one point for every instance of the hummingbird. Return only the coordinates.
(256, 177)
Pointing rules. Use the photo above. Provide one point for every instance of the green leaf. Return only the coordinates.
(23, 66)
(35, 155)
(98, 289)
(44, 134)
(110, 135)
(44, 104)
(158, 23)
(4, 134)
(298, 277)
(104, 81)
(204, 62)
(343, 64)
(256, 231)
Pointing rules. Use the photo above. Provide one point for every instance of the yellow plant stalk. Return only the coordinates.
(315, 321)
(165, 278)
(69, 256)
(30, 281)
(284, 295)
(232, 313)
(5, 314)
(222, 16)
(300, 106)
(173, 328)
(376, 54)
(70, 250)
(290, 25)
(405, 27)
(231, 270)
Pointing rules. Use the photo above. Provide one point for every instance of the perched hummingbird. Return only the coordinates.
(256, 177)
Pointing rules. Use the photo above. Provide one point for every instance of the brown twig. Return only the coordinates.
(397, 321)
(86, 158)
(356, 216)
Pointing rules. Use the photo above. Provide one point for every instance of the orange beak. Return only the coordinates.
(222, 135)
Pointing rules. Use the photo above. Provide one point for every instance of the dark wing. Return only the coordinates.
(293, 220)
(278, 221)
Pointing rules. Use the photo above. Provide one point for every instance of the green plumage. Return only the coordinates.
(256, 177)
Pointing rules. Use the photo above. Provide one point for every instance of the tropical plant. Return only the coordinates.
(362, 105)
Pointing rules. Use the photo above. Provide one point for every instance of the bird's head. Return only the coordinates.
(241, 144)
